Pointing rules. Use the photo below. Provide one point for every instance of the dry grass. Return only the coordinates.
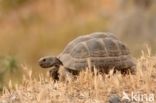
(87, 88)
(32, 29)
(42, 27)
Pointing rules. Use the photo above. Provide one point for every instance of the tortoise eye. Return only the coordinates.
(44, 60)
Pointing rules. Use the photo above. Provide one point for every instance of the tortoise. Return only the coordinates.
(103, 50)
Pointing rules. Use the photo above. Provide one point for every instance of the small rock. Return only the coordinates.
(114, 99)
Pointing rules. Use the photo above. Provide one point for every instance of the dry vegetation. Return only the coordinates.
(32, 29)
(85, 89)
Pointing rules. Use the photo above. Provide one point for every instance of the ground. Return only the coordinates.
(87, 88)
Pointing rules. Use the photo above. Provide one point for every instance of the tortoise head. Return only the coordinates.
(49, 61)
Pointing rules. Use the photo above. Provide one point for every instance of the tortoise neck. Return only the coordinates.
(58, 63)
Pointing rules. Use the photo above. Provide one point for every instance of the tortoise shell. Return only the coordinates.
(99, 50)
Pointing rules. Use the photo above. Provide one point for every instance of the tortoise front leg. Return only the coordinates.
(66, 74)
(62, 74)
(54, 73)
(73, 72)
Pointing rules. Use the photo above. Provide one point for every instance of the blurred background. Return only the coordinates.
(30, 29)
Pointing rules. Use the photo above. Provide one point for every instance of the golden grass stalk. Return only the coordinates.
(88, 87)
